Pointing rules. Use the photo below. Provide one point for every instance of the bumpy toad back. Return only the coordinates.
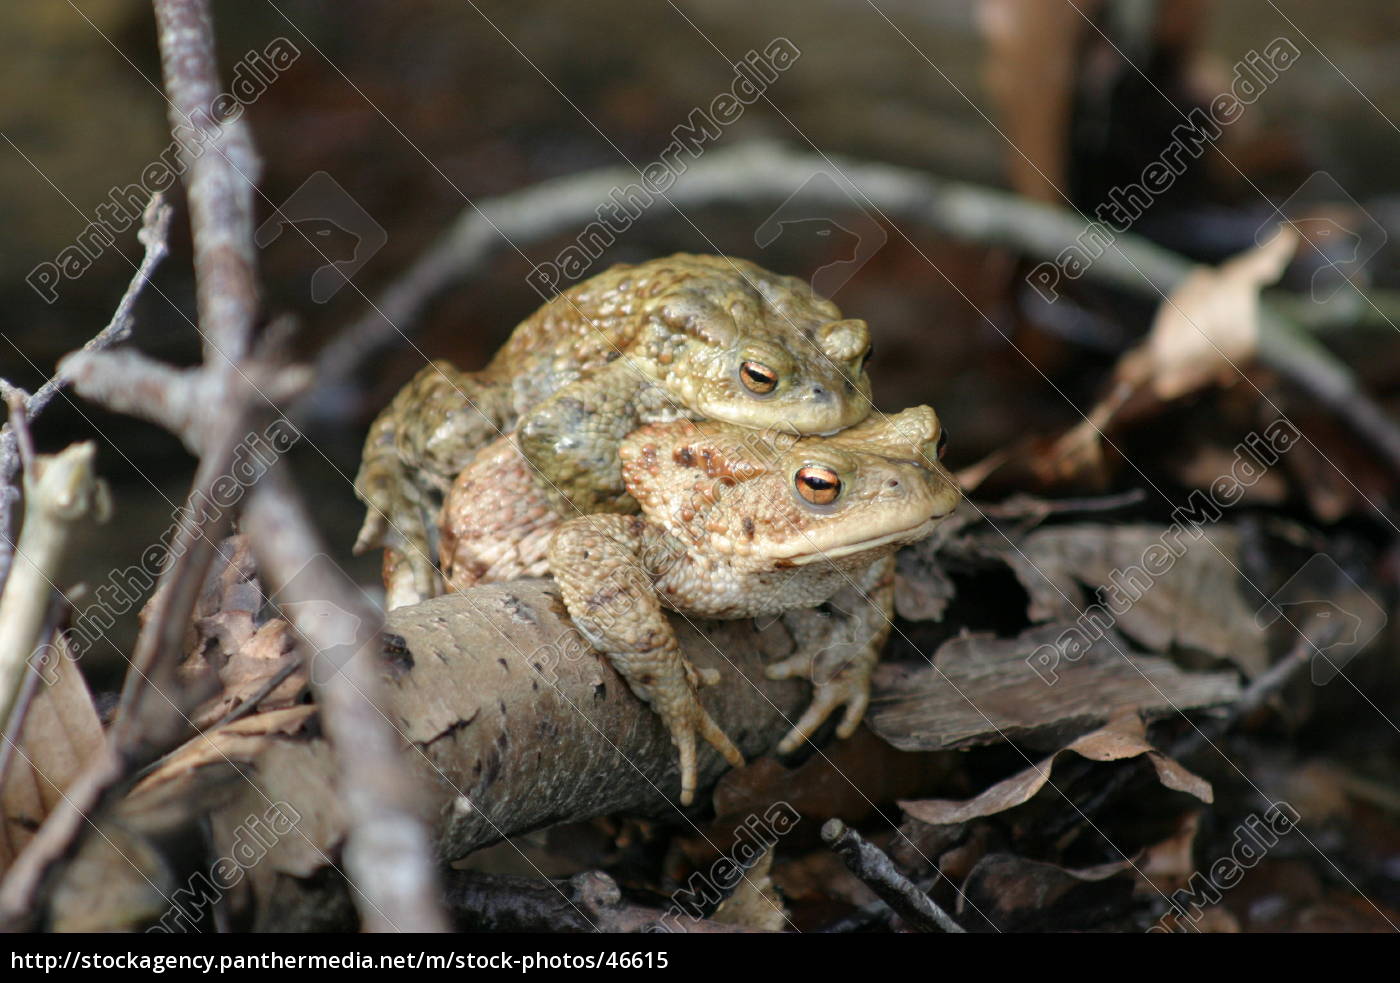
(682, 337)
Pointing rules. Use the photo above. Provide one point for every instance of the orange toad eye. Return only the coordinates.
(817, 485)
(758, 378)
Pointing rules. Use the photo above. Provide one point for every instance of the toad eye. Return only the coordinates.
(865, 359)
(942, 442)
(817, 485)
(758, 378)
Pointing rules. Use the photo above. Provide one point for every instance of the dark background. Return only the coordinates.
(418, 108)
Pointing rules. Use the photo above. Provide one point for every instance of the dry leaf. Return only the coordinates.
(60, 735)
(1016, 894)
(226, 641)
(1123, 737)
(755, 903)
(260, 654)
(237, 743)
(984, 691)
(1210, 323)
(1204, 332)
(1165, 589)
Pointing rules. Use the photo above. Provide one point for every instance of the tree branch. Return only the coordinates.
(764, 172)
(221, 171)
(388, 852)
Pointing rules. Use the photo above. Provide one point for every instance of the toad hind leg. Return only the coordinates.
(497, 521)
(596, 561)
(415, 447)
(839, 652)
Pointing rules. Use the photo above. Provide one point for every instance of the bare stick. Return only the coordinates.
(221, 170)
(1030, 507)
(388, 853)
(877, 871)
(759, 172)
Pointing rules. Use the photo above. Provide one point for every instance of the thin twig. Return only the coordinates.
(263, 692)
(17, 401)
(872, 912)
(1030, 507)
(877, 871)
(155, 228)
(1314, 638)
(237, 713)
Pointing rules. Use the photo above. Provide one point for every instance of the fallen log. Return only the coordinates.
(510, 723)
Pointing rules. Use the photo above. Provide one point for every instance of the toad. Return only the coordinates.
(684, 337)
(736, 523)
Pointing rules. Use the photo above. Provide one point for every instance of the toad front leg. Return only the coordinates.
(838, 652)
(572, 439)
(598, 562)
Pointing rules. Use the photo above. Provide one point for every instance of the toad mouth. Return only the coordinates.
(910, 533)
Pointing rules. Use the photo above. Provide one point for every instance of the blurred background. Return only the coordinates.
(420, 109)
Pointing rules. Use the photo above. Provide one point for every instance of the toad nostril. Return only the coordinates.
(894, 482)
(821, 393)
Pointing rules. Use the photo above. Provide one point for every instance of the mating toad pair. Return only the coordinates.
(653, 438)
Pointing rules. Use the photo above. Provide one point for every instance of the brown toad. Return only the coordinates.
(737, 524)
(685, 337)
